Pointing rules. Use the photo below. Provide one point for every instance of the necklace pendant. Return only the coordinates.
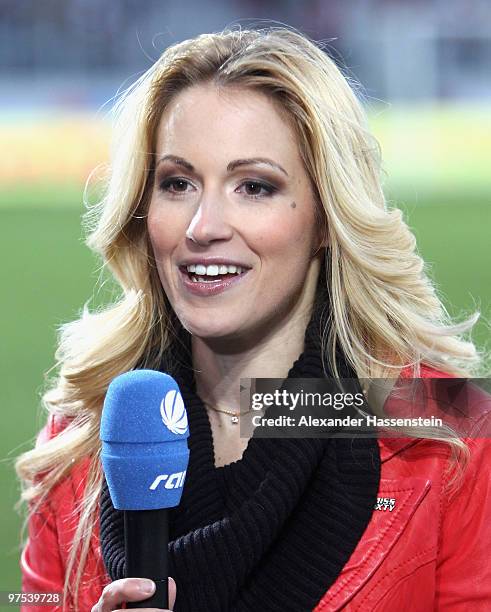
(235, 419)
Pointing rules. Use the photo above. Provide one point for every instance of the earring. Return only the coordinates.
(321, 246)
(323, 243)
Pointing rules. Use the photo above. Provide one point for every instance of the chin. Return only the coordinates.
(208, 329)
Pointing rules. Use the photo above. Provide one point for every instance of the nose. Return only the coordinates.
(209, 222)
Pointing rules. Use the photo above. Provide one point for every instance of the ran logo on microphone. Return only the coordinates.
(173, 481)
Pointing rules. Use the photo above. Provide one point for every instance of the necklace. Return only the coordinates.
(233, 413)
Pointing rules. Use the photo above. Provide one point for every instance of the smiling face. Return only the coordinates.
(231, 198)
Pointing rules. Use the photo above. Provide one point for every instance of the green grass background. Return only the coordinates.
(47, 274)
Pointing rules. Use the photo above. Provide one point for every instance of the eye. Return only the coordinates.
(258, 189)
(174, 185)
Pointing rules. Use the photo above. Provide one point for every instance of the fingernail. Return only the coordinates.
(147, 587)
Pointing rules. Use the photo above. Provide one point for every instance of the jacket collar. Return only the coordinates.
(389, 447)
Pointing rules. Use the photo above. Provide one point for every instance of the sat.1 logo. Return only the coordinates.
(173, 413)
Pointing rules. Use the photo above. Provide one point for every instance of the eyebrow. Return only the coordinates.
(236, 163)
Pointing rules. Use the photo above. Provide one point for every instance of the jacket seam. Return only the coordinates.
(442, 503)
(395, 568)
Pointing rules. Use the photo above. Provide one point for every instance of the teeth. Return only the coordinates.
(213, 270)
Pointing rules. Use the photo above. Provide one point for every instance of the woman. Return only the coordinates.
(245, 222)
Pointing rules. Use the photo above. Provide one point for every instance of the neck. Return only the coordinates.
(219, 366)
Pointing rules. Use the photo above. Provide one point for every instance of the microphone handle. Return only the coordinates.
(146, 538)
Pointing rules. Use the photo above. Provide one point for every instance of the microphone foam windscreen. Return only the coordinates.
(144, 431)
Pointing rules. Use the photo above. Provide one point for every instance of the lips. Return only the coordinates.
(211, 286)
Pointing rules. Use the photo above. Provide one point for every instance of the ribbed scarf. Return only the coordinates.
(271, 531)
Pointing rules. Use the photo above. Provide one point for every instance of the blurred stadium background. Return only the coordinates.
(425, 67)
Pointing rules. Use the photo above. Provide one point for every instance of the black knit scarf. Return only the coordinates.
(271, 531)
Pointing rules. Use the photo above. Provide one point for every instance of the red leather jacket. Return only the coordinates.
(426, 547)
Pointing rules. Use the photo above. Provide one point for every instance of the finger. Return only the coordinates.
(172, 592)
(172, 599)
(127, 589)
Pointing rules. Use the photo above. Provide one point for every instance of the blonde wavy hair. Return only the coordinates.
(385, 312)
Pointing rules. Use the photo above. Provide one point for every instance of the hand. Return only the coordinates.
(131, 589)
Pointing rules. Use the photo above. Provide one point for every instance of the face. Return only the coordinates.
(232, 216)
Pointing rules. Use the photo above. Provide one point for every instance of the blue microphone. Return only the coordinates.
(144, 431)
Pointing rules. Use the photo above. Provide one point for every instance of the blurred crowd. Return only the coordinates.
(444, 44)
